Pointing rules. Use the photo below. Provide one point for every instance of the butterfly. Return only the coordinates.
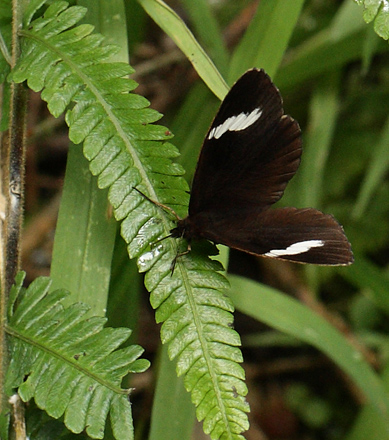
(249, 154)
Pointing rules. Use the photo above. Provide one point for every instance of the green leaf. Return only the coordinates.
(171, 402)
(126, 152)
(85, 231)
(375, 174)
(346, 21)
(338, 44)
(288, 315)
(172, 24)
(378, 11)
(84, 237)
(271, 27)
(324, 107)
(70, 365)
(371, 279)
(369, 423)
(208, 31)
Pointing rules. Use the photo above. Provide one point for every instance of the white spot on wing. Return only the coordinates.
(235, 123)
(296, 248)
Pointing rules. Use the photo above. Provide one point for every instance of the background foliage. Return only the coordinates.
(332, 71)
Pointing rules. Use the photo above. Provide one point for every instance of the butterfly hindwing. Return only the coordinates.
(299, 235)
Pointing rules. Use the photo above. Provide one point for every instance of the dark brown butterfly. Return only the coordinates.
(250, 153)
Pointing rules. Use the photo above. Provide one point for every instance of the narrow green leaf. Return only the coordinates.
(85, 236)
(109, 18)
(191, 124)
(335, 46)
(288, 315)
(318, 138)
(171, 402)
(172, 24)
(136, 20)
(371, 279)
(369, 49)
(369, 423)
(208, 31)
(346, 21)
(123, 303)
(267, 37)
(375, 174)
(82, 255)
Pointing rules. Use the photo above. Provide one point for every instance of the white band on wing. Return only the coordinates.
(296, 248)
(235, 123)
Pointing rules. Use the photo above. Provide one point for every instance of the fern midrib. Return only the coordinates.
(203, 343)
(18, 335)
(107, 108)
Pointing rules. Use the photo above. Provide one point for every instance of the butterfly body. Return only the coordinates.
(249, 154)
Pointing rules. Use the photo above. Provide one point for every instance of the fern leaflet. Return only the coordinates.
(67, 363)
(377, 11)
(69, 64)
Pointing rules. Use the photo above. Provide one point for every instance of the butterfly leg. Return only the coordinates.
(178, 255)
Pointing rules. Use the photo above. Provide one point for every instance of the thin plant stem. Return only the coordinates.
(13, 155)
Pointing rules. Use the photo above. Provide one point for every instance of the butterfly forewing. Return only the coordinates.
(250, 151)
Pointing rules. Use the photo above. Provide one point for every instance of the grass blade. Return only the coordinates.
(177, 30)
(288, 315)
(270, 29)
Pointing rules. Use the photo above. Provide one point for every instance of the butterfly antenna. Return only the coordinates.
(166, 208)
(160, 205)
(154, 243)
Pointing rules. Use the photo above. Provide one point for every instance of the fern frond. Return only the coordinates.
(377, 11)
(69, 365)
(69, 64)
